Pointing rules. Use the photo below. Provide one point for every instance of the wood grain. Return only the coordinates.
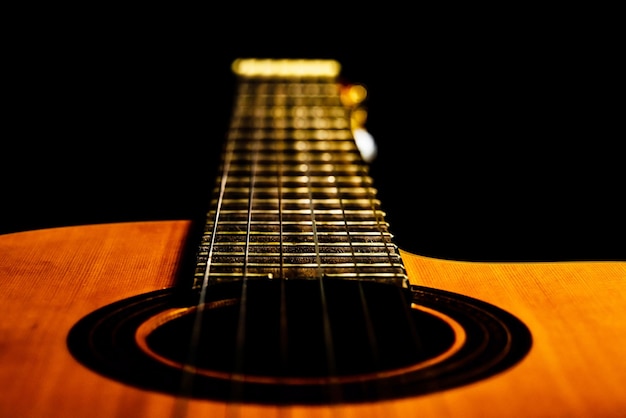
(51, 278)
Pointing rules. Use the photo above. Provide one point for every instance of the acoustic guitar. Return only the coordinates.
(290, 299)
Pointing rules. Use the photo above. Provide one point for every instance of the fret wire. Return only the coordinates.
(367, 191)
(313, 134)
(351, 155)
(321, 197)
(279, 222)
(259, 97)
(348, 274)
(278, 144)
(325, 250)
(300, 254)
(299, 244)
(280, 112)
(287, 234)
(359, 212)
(314, 233)
(319, 147)
(303, 239)
(293, 221)
(348, 169)
(314, 265)
(287, 180)
(287, 229)
(373, 275)
(286, 124)
(295, 162)
(305, 202)
(305, 263)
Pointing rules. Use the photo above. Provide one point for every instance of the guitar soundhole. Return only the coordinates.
(288, 330)
(299, 341)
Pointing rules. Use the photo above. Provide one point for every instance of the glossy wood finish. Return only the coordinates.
(51, 278)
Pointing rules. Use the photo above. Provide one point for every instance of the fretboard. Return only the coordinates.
(294, 199)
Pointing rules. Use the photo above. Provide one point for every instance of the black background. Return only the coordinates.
(500, 132)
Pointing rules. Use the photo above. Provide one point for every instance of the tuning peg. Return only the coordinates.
(353, 96)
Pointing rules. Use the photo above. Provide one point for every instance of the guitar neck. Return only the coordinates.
(294, 198)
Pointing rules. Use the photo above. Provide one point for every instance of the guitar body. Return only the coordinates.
(50, 279)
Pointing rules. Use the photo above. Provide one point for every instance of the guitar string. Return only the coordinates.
(236, 386)
(258, 139)
(284, 340)
(391, 250)
(381, 385)
(365, 307)
(237, 382)
(307, 164)
(334, 391)
(189, 368)
(369, 327)
(240, 339)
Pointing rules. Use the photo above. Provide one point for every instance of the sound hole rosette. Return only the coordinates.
(479, 340)
(146, 329)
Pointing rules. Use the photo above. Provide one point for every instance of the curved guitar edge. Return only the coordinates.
(51, 278)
